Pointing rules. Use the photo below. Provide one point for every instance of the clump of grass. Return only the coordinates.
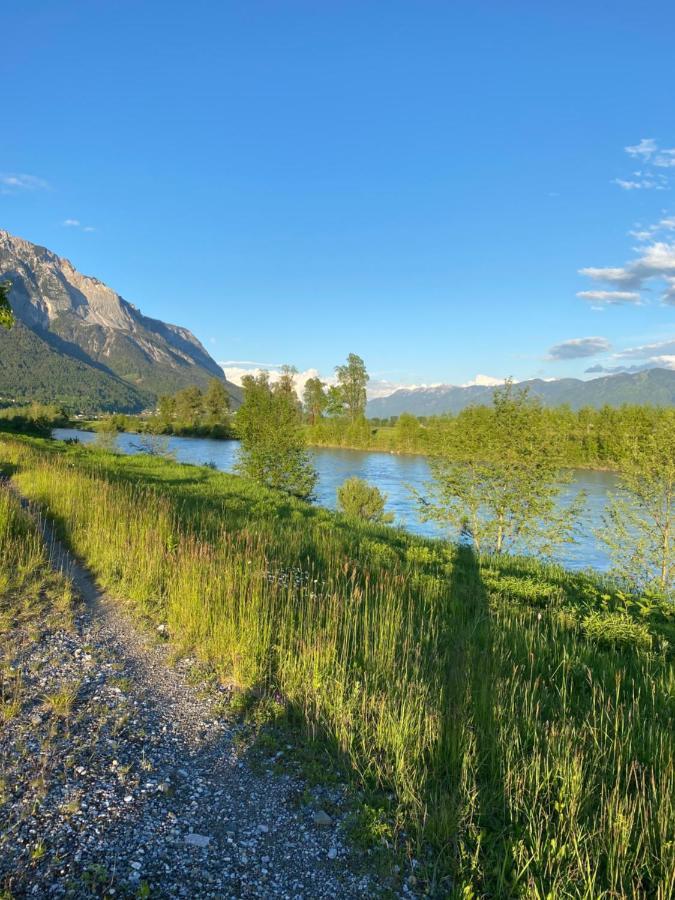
(616, 629)
(60, 703)
(524, 758)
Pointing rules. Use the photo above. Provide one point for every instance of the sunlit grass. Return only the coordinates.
(520, 715)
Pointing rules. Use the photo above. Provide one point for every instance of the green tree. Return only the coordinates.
(639, 525)
(273, 450)
(352, 379)
(335, 402)
(504, 493)
(166, 410)
(314, 399)
(216, 403)
(6, 314)
(361, 500)
(407, 431)
(189, 407)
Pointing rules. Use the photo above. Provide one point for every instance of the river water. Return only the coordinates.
(394, 475)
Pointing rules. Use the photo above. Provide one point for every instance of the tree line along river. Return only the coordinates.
(394, 475)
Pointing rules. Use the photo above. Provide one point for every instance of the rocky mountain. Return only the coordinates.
(81, 330)
(655, 386)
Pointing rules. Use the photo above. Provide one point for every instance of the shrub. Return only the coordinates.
(360, 500)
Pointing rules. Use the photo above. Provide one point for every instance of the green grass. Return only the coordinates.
(520, 716)
(31, 595)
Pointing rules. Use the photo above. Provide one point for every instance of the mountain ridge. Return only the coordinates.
(653, 386)
(81, 319)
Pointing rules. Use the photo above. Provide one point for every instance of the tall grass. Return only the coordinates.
(533, 755)
(28, 586)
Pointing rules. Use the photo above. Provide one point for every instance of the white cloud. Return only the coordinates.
(649, 351)
(75, 223)
(578, 348)
(12, 183)
(484, 381)
(656, 262)
(654, 160)
(660, 354)
(610, 298)
(236, 369)
(656, 182)
(645, 149)
(651, 154)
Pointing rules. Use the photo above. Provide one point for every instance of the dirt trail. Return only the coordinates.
(141, 791)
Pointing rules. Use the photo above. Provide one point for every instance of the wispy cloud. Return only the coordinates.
(609, 298)
(649, 151)
(579, 348)
(75, 223)
(655, 162)
(660, 354)
(12, 183)
(655, 263)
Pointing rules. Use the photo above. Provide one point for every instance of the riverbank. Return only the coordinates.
(394, 475)
(384, 445)
(471, 696)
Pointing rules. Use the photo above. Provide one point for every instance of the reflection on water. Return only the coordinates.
(394, 475)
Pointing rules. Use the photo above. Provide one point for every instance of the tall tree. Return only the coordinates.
(216, 403)
(639, 525)
(273, 449)
(352, 379)
(189, 406)
(6, 314)
(314, 399)
(503, 494)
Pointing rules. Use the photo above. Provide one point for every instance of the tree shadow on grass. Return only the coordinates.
(468, 816)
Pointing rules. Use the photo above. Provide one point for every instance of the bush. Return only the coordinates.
(360, 500)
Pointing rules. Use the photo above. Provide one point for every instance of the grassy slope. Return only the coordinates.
(520, 715)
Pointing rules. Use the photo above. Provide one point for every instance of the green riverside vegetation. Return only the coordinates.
(515, 719)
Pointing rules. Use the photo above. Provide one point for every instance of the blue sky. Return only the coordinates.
(417, 182)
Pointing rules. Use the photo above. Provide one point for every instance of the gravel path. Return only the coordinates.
(138, 789)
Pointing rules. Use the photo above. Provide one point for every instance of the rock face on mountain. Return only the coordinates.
(81, 318)
(655, 387)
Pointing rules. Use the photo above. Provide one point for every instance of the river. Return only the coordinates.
(394, 475)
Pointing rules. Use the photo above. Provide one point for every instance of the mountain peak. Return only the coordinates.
(84, 318)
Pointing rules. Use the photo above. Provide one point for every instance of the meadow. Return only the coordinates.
(515, 720)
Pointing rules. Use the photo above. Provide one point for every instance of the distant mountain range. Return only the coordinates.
(655, 386)
(78, 343)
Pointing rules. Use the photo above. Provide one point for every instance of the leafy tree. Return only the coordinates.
(335, 403)
(189, 406)
(407, 432)
(6, 314)
(166, 409)
(352, 379)
(639, 525)
(361, 500)
(273, 450)
(314, 399)
(504, 495)
(216, 403)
